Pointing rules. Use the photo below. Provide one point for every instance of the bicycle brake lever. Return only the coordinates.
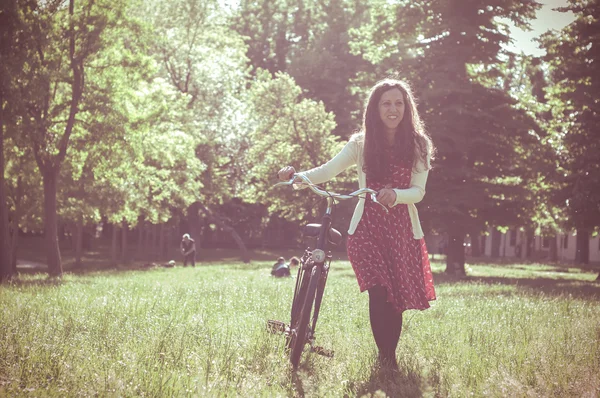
(374, 199)
(292, 181)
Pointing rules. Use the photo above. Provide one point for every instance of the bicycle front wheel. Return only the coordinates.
(300, 334)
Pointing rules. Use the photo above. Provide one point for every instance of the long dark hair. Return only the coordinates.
(412, 142)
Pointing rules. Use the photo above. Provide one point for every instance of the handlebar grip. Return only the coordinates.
(289, 176)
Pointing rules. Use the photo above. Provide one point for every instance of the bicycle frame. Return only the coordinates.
(307, 265)
(310, 287)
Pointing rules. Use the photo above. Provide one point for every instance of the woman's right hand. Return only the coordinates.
(286, 173)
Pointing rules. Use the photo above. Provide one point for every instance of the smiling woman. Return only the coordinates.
(391, 111)
(386, 248)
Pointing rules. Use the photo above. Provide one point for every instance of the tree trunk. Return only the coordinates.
(156, 241)
(221, 224)
(496, 238)
(148, 231)
(195, 223)
(124, 229)
(167, 241)
(79, 241)
(13, 225)
(582, 246)
(206, 236)
(49, 176)
(455, 259)
(5, 252)
(113, 248)
(140, 240)
(475, 248)
(151, 241)
(529, 239)
(553, 253)
(161, 241)
(14, 245)
(145, 239)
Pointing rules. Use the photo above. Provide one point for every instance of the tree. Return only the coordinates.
(452, 52)
(325, 67)
(62, 40)
(103, 138)
(483, 138)
(204, 61)
(535, 206)
(574, 58)
(286, 130)
(309, 40)
(12, 58)
(271, 29)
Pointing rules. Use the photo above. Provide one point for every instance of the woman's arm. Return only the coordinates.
(416, 192)
(340, 162)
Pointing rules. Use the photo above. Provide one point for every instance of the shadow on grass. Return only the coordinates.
(47, 282)
(553, 287)
(387, 383)
(298, 386)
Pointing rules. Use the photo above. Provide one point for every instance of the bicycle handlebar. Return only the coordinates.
(327, 194)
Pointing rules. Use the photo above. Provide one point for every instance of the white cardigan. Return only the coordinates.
(352, 154)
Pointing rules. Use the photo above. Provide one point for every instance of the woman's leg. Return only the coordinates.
(386, 324)
(377, 316)
(395, 331)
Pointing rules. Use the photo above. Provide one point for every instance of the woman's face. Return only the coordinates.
(391, 108)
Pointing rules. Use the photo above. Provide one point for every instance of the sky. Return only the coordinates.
(546, 19)
(523, 41)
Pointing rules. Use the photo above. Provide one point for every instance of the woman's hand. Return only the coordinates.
(286, 173)
(386, 197)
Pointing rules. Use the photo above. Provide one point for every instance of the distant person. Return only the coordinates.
(280, 268)
(188, 249)
(294, 262)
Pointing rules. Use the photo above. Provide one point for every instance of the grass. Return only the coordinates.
(511, 330)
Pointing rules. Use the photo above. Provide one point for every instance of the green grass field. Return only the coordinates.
(509, 330)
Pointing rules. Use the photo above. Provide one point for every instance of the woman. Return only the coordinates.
(387, 250)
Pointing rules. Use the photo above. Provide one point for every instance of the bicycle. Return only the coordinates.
(312, 276)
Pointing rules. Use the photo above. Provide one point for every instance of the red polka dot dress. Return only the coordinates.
(383, 251)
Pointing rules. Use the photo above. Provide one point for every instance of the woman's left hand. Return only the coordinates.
(386, 197)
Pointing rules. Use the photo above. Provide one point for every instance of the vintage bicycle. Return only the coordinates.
(312, 275)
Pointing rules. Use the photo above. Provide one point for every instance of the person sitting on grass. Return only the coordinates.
(294, 261)
(188, 249)
(280, 268)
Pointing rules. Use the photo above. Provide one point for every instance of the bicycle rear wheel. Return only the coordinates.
(301, 329)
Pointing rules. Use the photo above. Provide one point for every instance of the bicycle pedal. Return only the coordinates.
(322, 351)
(275, 326)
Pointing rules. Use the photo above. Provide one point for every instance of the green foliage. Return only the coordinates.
(325, 68)
(270, 29)
(573, 55)
(288, 130)
(25, 193)
(101, 138)
(172, 103)
(204, 63)
(309, 40)
(483, 138)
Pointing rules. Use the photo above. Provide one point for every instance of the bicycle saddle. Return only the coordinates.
(312, 231)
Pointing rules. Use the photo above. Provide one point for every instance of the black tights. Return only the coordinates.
(386, 324)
